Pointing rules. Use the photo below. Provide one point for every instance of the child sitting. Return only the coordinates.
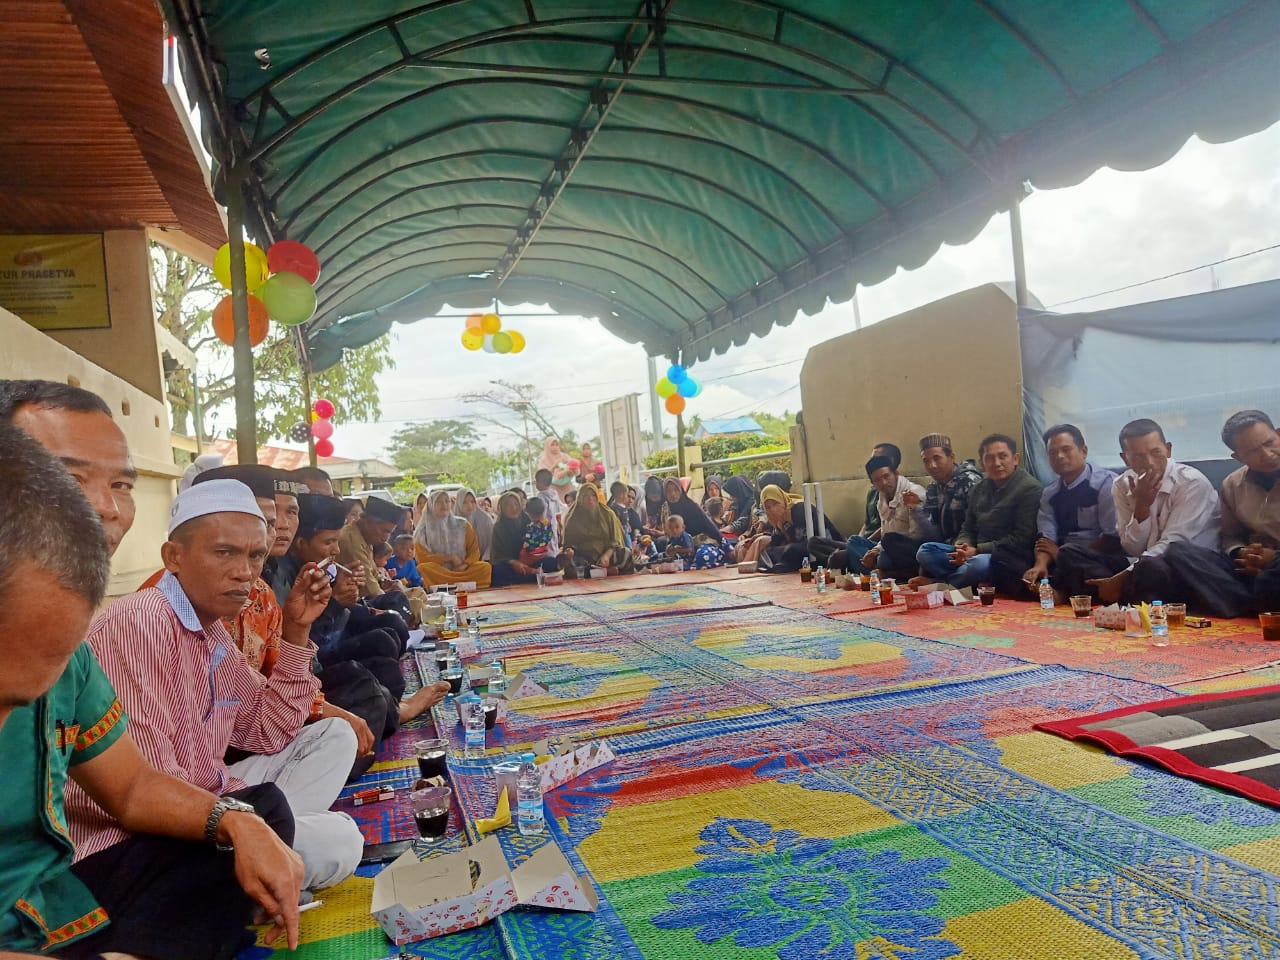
(402, 565)
(679, 543)
(714, 508)
(540, 536)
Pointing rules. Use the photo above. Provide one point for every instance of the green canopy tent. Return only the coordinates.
(691, 172)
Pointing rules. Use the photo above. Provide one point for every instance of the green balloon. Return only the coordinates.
(288, 298)
(502, 342)
(665, 388)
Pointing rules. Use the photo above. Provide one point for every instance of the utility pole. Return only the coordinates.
(523, 407)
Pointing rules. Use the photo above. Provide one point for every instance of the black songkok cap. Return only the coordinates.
(318, 512)
(383, 510)
(258, 477)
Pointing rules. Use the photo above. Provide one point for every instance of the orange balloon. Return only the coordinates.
(473, 321)
(224, 326)
(675, 404)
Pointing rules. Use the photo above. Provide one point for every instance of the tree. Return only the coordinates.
(444, 451)
(185, 293)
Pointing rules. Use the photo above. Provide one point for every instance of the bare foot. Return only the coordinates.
(1110, 589)
(423, 700)
(915, 583)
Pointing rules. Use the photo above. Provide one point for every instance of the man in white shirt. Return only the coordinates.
(1158, 502)
(904, 524)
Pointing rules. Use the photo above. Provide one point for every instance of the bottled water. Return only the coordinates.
(473, 727)
(473, 634)
(453, 661)
(820, 578)
(498, 681)
(1046, 595)
(875, 587)
(450, 612)
(1159, 624)
(529, 816)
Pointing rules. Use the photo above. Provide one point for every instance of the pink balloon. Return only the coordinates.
(322, 429)
(574, 465)
(324, 448)
(324, 408)
(599, 468)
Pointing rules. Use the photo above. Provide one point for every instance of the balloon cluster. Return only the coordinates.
(322, 412)
(280, 284)
(484, 332)
(677, 387)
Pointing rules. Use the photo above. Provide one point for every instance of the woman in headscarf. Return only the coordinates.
(592, 534)
(696, 523)
(446, 547)
(508, 538)
(419, 508)
(712, 487)
(780, 544)
(651, 510)
(743, 496)
(467, 507)
(554, 459)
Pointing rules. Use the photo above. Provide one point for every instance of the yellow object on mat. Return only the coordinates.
(501, 816)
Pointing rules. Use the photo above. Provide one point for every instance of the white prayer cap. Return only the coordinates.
(206, 461)
(215, 496)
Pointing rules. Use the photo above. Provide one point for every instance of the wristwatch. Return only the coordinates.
(222, 806)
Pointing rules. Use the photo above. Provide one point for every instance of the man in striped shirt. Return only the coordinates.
(59, 717)
(191, 695)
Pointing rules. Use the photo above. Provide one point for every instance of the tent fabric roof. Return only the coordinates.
(733, 425)
(693, 171)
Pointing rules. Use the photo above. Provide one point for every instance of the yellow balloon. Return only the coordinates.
(665, 388)
(490, 323)
(517, 341)
(472, 339)
(255, 266)
(314, 416)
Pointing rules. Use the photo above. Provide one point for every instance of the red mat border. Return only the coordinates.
(1073, 729)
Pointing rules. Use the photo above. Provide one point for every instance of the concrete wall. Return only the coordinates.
(29, 353)
(128, 348)
(951, 366)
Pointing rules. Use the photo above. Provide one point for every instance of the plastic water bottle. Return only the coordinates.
(453, 661)
(498, 680)
(473, 727)
(473, 634)
(1046, 595)
(875, 587)
(450, 612)
(529, 816)
(1159, 624)
(820, 578)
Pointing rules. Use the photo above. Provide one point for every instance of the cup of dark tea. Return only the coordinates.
(431, 811)
(1270, 623)
(490, 713)
(986, 594)
(1082, 606)
(454, 679)
(864, 583)
(432, 757)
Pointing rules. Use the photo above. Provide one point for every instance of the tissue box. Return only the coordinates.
(417, 899)
(950, 596)
(597, 573)
(921, 599)
(748, 566)
(1109, 618)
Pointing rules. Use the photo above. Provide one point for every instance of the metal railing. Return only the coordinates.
(725, 462)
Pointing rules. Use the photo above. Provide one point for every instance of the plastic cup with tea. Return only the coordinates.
(1082, 606)
(1176, 614)
(432, 757)
(1270, 623)
(986, 594)
(431, 811)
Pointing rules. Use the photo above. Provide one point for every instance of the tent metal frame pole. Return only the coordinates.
(681, 465)
(305, 363)
(246, 415)
(1019, 259)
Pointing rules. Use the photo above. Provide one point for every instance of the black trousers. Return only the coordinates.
(1152, 577)
(505, 576)
(371, 645)
(371, 690)
(174, 899)
(1208, 583)
(365, 618)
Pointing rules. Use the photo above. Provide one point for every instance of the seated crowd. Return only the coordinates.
(186, 744)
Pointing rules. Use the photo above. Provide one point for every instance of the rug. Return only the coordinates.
(790, 785)
(1230, 740)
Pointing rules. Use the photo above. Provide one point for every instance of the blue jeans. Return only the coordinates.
(858, 548)
(935, 562)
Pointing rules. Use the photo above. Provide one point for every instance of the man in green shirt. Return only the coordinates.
(997, 542)
(158, 895)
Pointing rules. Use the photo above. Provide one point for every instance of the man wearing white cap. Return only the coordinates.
(191, 695)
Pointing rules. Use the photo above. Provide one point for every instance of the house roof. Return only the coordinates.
(692, 172)
(89, 138)
(282, 458)
(733, 425)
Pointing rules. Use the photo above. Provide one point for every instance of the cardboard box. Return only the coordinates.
(417, 899)
(570, 761)
(1109, 618)
(922, 599)
(597, 573)
(950, 595)
(748, 566)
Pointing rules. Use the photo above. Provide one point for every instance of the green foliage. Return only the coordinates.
(447, 451)
(185, 294)
(733, 445)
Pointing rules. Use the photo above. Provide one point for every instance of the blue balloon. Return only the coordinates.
(688, 387)
(676, 373)
(697, 387)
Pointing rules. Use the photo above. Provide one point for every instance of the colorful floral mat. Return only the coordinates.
(796, 786)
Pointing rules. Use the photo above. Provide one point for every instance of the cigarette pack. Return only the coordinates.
(1198, 623)
(373, 795)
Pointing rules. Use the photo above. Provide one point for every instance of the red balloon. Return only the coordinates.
(599, 468)
(290, 256)
(324, 448)
(324, 408)
(574, 465)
